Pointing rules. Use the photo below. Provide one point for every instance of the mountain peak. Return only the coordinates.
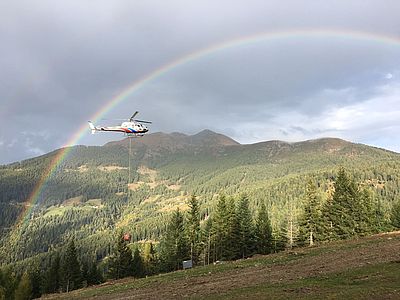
(210, 137)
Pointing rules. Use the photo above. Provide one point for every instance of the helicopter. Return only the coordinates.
(132, 127)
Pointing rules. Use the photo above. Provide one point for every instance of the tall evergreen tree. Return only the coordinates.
(310, 223)
(263, 231)
(137, 264)
(231, 240)
(366, 217)
(209, 241)
(289, 232)
(94, 274)
(174, 246)
(343, 213)
(246, 227)
(193, 228)
(150, 259)
(8, 282)
(37, 281)
(71, 269)
(219, 230)
(24, 289)
(121, 262)
(52, 277)
(395, 215)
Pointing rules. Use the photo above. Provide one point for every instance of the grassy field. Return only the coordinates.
(367, 268)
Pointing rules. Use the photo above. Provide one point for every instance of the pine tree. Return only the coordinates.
(52, 281)
(94, 274)
(246, 228)
(219, 229)
(289, 232)
(366, 219)
(263, 231)
(174, 246)
(121, 261)
(150, 259)
(231, 241)
(24, 289)
(71, 269)
(343, 213)
(208, 241)
(8, 282)
(85, 272)
(37, 282)
(137, 264)
(395, 215)
(310, 223)
(193, 227)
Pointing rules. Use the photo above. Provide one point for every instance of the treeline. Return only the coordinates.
(64, 272)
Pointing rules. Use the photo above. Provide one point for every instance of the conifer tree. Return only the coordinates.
(137, 264)
(174, 246)
(71, 269)
(343, 209)
(289, 231)
(395, 215)
(85, 272)
(121, 261)
(366, 218)
(193, 227)
(37, 281)
(219, 229)
(231, 240)
(52, 281)
(24, 289)
(149, 259)
(310, 223)
(246, 228)
(8, 282)
(94, 274)
(263, 231)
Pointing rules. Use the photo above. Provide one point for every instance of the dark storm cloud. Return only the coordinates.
(61, 62)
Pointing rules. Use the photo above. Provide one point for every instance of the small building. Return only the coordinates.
(187, 264)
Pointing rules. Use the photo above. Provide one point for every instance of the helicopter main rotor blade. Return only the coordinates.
(141, 121)
(134, 115)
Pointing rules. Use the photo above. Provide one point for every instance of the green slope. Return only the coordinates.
(166, 168)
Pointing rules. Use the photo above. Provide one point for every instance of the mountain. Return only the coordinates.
(87, 196)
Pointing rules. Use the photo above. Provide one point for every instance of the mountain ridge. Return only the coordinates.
(88, 194)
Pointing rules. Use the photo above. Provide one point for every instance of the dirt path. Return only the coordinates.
(303, 263)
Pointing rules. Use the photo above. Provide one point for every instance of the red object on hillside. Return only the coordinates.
(127, 237)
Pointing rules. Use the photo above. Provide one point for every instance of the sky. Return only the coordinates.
(61, 62)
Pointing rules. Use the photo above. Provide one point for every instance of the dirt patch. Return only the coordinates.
(111, 168)
(72, 201)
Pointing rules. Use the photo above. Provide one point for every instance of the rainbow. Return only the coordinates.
(164, 69)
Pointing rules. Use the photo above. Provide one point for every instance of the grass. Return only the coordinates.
(377, 282)
(293, 274)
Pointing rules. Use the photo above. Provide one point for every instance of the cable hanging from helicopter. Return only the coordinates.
(132, 128)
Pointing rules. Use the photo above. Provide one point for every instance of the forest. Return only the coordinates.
(229, 233)
(203, 200)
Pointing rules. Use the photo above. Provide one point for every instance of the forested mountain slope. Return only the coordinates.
(87, 196)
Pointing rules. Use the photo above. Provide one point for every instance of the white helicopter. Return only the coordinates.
(132, 127)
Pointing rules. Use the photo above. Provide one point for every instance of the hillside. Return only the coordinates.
(366, 268)
(87, 195)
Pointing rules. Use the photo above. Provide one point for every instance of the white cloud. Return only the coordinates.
(374, 121)
(389, 76)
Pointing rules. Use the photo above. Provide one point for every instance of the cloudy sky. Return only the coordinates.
(63, 61)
